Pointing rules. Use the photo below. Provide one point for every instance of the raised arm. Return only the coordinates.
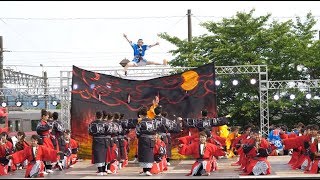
(151, 114)
(189, 149)
(291, 143)
(157, 43)
(125, 36)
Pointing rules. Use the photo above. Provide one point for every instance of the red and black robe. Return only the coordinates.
(35, 166)
(302, 142)
(205, 160)
(257, 163)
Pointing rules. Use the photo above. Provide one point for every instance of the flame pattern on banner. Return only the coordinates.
(181, 95)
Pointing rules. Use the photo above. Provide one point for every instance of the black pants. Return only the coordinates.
(48, 167)
(146, 169)
(200, 170)
(102, 169)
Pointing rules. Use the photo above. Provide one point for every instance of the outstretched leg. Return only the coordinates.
(165, 62)
(130, 64)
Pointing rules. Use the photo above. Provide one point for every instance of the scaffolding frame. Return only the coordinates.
(34, 85)
(144, 73)
(262, 70)
(294, 84)
(22, 79)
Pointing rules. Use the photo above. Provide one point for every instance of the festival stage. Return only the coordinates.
(177, 170)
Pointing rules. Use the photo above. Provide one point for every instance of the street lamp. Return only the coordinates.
(253, 81)
(300, 67)
(308, 96)
(292, 96)
(18, 103)
(235, 82)
(218, 82)
(35, 103)
(54, 103)
(75, 86)
(4, 104)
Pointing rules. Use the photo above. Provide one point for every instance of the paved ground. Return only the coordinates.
(177, 170)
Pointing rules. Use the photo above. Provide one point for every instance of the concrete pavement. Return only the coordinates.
(177, 170)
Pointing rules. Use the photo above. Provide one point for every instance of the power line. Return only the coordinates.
(88, 18)
(198, 19)
(280, 17)
(170, 28)
(20, 36)
(61, 58)
(52, 66)
(23, 65)
(67, 52)
(126, 18)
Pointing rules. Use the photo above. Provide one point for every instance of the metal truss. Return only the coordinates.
(287, 84)
(28, 95)
(25, 85)
(65, 97)
(262, 70)
(243, 69)
(34, 85)
(143, 73)
(264, 105)
(29, 91)
(149, 72)
(22, 79)
(135, 73)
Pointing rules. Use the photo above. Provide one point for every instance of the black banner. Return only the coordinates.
(182, 95)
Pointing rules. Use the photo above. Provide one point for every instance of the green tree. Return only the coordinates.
(247, 40)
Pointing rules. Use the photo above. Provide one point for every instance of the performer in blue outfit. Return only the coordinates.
(274, 138)
(139, 50)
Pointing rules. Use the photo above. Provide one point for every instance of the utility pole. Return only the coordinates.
(189, 26)
(45, 83)
(45, 86)
(1, 69)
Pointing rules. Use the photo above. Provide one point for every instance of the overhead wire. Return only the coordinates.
(128, 18)
(70, 52)
(104, 18)
(89, 18)
(21, 36)
(171, 27)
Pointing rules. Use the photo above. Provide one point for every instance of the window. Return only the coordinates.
(34, 124)
(17, 125)
(10, 126)
(2, 120)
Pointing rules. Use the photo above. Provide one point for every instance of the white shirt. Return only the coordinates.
(201, 149)
(34, 149)
(14, 140)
